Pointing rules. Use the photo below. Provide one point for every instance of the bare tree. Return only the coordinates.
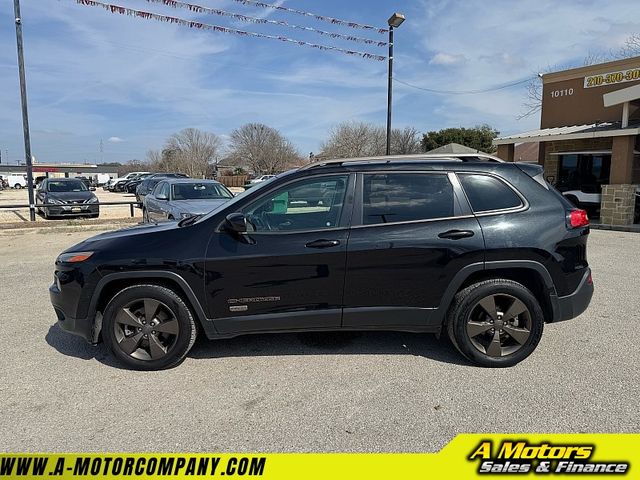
(631, 47)
(262, 149)
(361, 139)
(405, 141)
(191, 151)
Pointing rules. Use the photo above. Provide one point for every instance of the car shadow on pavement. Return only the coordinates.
(308, 343)
(74, 346)
(331, 343)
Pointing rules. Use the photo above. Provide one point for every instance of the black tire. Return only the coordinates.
(125, 318)
(527, 326)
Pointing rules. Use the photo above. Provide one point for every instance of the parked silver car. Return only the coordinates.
(178, 198)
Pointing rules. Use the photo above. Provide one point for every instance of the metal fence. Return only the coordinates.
(43, 205)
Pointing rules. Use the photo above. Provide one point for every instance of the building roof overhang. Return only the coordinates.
(572, 132)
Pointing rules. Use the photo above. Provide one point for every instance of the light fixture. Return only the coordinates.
(396, 20)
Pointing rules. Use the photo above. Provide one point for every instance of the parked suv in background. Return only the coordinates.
(485, 251)
(149, 183)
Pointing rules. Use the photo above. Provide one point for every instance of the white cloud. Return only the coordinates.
(442, 58)
(115, 140)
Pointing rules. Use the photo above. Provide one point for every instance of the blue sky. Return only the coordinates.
(92, 75)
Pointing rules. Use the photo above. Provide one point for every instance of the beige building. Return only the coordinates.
(589, 136)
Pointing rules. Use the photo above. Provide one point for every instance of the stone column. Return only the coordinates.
(618, 198)
(618, 204)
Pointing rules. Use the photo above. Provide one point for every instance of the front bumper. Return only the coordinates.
(575, 304)
(73, 211)
(63, 306)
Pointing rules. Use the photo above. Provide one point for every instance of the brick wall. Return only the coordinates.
(618, 203)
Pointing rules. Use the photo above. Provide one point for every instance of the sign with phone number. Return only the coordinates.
(622, 76)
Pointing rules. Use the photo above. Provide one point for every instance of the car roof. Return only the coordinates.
(421, 158)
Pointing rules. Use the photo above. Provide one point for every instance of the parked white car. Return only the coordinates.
(17, 181)
(261, 178)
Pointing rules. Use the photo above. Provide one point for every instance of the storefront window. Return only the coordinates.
(585, 172)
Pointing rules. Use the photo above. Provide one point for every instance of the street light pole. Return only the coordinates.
(394, 21)
(390, 90)
(25, 114)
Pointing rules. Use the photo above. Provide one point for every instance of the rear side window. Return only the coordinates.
(404, 197)
(487, 193)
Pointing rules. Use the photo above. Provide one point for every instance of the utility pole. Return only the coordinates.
(394, 22)
(25, 114)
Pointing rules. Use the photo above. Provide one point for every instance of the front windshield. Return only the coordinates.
(69, 186)
(199, 191)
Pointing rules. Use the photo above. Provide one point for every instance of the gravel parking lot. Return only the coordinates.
(309, 392)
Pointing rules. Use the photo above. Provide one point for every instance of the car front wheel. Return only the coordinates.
(495, 323)
(148, 327)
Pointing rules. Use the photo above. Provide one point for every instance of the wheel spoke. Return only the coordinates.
(156, 350)
(520, 335)
(170, 326)
(126, 317)
(488, 304)
(130, 344)
(495, 348)
(476, 328)
(150, 308)
(516, 308)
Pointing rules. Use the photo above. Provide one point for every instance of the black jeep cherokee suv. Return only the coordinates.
(485, 251)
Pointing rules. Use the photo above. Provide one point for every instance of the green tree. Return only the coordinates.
(478, 138)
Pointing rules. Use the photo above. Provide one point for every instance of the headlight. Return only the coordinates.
(92, 200)
(185, 215)
(74, 257)
(54, 200)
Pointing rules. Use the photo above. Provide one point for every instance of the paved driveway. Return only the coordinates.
(310, 392)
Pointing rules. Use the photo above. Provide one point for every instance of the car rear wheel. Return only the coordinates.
(495, 323)
(148, 327)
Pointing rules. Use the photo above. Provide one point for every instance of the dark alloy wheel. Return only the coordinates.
(148, 327)
(145, 329)
(495, 323)
(499, 325)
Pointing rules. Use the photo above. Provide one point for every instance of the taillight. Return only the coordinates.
(578, 218)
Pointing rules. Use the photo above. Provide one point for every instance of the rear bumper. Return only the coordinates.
(575, 304)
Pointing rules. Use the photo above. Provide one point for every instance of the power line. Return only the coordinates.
(247, 19)
(323, 18)
(116, 9)
(464, 92)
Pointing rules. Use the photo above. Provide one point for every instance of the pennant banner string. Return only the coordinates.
(248, 19)
(216, 28)
(323, 18)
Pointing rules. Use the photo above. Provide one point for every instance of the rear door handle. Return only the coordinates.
(456, 234)
(323, 244)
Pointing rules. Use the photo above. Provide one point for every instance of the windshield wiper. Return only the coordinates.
(185, 222)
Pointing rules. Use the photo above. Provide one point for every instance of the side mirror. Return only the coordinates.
(236, 223)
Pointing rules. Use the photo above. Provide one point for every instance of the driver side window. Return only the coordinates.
(311, 204)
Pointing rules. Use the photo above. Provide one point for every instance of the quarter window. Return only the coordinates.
(404, 197)
(312, 204)
(487, 193)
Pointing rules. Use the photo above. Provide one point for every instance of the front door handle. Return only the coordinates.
(323, 243)
(456, 234)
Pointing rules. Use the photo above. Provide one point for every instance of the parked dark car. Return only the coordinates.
(149, 183)
(175, 199)
(69, 196)
(486, 252)
(131, 185)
